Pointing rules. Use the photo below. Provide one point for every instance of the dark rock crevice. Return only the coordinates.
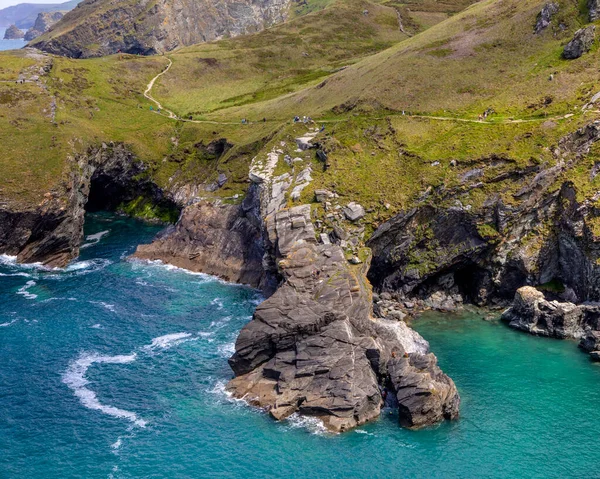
(50, 233)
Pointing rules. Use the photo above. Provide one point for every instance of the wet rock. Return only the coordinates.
(581, 43)
(222, 240)
(425, 394)
(531, 312)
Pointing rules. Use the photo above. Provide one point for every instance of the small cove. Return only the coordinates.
(116, 368)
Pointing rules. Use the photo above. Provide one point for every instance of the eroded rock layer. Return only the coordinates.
(313, 347)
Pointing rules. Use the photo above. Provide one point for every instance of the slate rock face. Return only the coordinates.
(222, 240)
(103, 27)
(594, 10)
(42, 24)
(581, 43)
(545, 17)
(313, 347)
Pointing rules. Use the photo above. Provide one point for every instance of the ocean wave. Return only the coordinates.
(24, 290)
(226, 350)
(217, 302)
(75, 378)
(75, 375)
(5, 325)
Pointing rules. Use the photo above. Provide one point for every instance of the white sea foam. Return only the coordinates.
(96, 326)
(24, 290)
(311, 424)
(75, 378)
(217, 302)
(75, 375)
(4, 325)
(168, 341)
(6, 259)
(95, 239)
(117, 444)
(226, 350)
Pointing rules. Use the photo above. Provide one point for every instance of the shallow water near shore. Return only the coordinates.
(114, 368)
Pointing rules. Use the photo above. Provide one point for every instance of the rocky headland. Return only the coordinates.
(13, 33)
(42, 24)
(95, 28)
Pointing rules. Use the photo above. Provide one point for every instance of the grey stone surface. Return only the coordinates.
(581, 43)
(313, 347)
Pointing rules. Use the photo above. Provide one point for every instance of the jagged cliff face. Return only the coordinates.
(50, 233)
(42, 24)
(447, 255)
(97, 28)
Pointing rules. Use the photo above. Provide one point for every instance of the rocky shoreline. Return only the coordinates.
(533, 313)
(294, 355)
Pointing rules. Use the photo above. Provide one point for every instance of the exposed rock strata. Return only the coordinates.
(218, 239)
(313, 347)
(103, 27)
(533, 313)
(51, 232)
(42, 24)
(483, 256)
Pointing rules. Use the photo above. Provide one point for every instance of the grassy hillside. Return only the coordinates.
(354, 72)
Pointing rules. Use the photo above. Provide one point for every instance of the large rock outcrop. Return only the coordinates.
(219, 239)
(314, 348)
(50, 233)
(13, 33)
(545, 16)
(42, 24)
(533, 313)
(446, 251)
(582, 43)
(103, 27)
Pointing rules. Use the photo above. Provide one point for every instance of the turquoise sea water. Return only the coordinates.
(9, 44)
(115, 369)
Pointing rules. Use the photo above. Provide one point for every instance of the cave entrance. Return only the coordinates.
(137, 198)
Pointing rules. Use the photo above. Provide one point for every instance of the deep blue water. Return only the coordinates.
(113, 368)
(9, 44)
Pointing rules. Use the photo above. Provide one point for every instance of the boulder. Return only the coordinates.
(581, 43)
(545, 17)
(323, 195)
(354, 212)
(531, 312)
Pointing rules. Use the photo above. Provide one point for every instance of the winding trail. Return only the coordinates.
(148, 94)
(169, 114)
